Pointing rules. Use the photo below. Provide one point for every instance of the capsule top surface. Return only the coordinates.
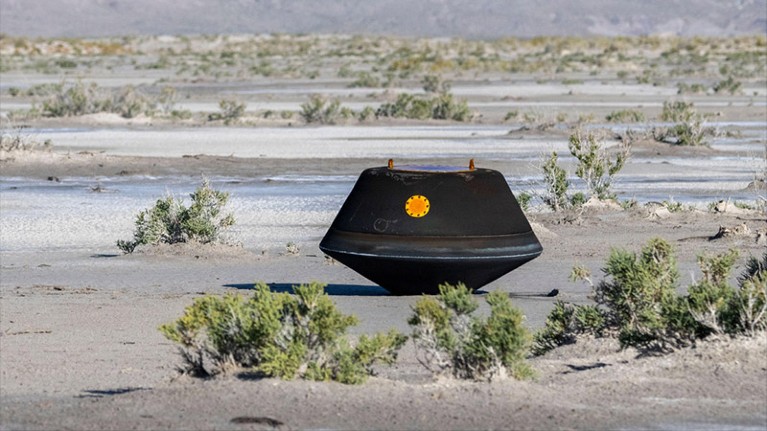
(430, 168)
(431, 201)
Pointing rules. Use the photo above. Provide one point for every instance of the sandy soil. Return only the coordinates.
(80, 349)
(79, 346)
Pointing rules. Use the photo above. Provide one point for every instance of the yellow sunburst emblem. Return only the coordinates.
(417, 206)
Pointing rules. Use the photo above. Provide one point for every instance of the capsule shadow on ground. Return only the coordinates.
(330, 289)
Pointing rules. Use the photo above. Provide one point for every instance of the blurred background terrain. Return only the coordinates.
(480, 19)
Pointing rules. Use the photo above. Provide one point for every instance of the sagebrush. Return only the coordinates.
(67, 100)
(451, 339)
(555, 179)
(689, 128)
(321, 110)
(299, 335)
(596, 166)
(169, 221)
(638, 301)
(231, 111)
(443, 106)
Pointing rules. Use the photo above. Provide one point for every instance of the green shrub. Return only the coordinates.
(625, 116)
(365, 80)
(450, 339)
(74, 100)
(17, 140)
(678, 110)
(319, 110)
(577, 199)
(754, 266)
(595, 166)
(170, 222)
(45, 90)
(66, 63)
(231, 111)
(440, 107)
(167, 99)
(434, 84)
(684, 88)
(641, 296)
(639, 302)
(446, 108)
(729, 85)
(281, 335)
(346, 113)
(524, 200)
(555, 179)
(366, 113)
(511, 115)
(751, 296)
(181, 114)
(673, 206)
(81, 99)
(688, 130)
(711, 299)
(130, 103)
(398, 108)
(565, 323)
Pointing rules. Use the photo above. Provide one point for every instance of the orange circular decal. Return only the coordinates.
(417, 206)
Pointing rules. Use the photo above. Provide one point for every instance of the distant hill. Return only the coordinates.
(433, 18)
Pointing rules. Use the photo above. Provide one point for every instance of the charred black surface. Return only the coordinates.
(410, 229)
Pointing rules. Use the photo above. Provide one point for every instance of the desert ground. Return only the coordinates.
(79, 344)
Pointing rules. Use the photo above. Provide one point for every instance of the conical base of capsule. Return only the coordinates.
(416, 266)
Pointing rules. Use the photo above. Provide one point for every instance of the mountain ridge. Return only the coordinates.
(479, 19)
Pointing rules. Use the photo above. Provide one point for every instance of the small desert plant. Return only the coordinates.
(450, 339)
(401, 107)
(711, 299)
(434, 84)
(555, 178)
(673, 206)
(17, 140)
(319, 110)
(751, 297)
(689, 128)
(440, 107)
(577, 199)
(511, 115)
(744, 205)
(231, 111)
(167, 99)
(445, 107)
(565, 323)
(74, 100)
(524, 200)
(80, 99)
(129, 103)
(684, 88)
(639, 302)
(625, 116)
(677, 110)
(366, 80)
(277, 335)
(366, 113)
(641, 297)
(170, 222)
(595, 165)
(729, 85)
(292, 249)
